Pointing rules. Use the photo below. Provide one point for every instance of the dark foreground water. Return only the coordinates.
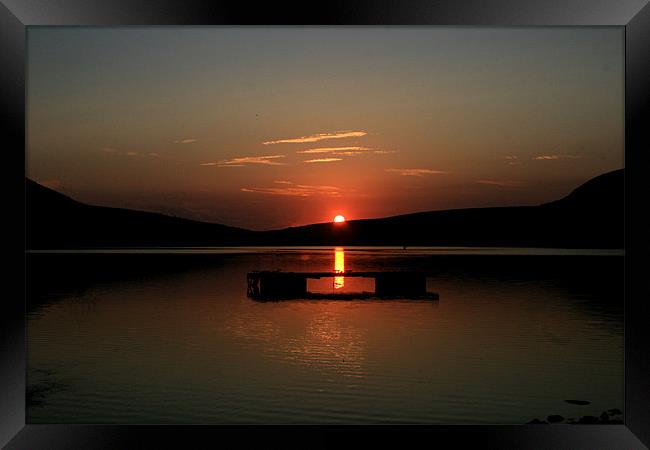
(161, 337)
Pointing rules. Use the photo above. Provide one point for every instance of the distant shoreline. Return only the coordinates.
(469, 251)
(590, 217)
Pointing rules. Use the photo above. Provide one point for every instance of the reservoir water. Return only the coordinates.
(170, 336)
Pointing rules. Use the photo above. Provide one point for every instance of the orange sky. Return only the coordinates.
(272, 127)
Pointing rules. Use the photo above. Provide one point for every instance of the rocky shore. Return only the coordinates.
(609, 417)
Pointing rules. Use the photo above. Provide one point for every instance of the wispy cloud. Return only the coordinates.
(334, 149)
(130, 153)
(555, 157)
(323, 160)
(317, 137)
(239, 162)
(297, 190)
(268, 159)
(186, 141)
(414, 172)
(502, 183)
(512, 160)
(52, 184)
(283, 182)
(350, 153)
(221, 165)
(346, 151)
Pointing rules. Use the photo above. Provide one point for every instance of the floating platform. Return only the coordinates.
(278, 285)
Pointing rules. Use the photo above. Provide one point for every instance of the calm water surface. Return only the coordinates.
(117, 339)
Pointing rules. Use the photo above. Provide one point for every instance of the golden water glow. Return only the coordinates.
(339, 266)
(339, 219)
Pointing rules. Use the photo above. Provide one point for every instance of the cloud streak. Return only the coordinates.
(322, 160)
(186, 141)
(555, 157)
(268, 160)
(52, 184)
(502, 183)
(415, 172)
(220, 165)
(295, 190)
(512, 160)
(343, 151)
(130, 153)
(317, 137)
(333, 150)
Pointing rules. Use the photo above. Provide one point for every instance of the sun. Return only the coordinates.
(339, 219)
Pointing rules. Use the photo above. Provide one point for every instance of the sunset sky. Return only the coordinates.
(272, 127)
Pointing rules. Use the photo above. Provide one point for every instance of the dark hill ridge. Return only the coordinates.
(589, 217)
(55, 221)
(605, 191)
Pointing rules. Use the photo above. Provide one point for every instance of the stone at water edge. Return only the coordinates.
(588, 419)
(537, 422)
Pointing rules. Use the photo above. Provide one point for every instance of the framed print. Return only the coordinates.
(299, 227)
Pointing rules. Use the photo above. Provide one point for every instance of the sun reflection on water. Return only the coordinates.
(339, 266)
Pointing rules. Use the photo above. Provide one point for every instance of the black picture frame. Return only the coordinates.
(633, 15)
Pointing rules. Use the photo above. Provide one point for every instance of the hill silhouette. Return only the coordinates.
(55, 221)
(589, 217)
